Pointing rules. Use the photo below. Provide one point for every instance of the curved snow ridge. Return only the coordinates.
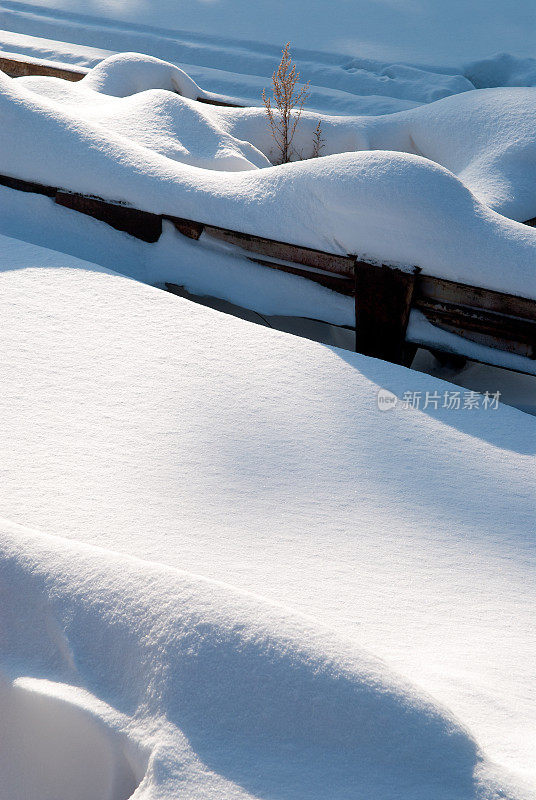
(393, 207)
(60, 741)
(503, 69)
(230, 693)
(146, 101)
(485, 137)
(126, 73)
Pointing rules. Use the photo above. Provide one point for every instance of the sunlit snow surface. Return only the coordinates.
(372, 634)
(423, 32)
(419, 187)
(224, 572)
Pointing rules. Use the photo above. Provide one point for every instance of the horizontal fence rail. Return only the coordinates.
(384, 294)
(22, 66)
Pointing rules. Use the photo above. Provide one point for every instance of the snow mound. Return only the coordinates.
(230, 693)
(55, 745)
(153, 427)
(132, 96)
(487, 138)
(392, 206)
(502, 70)
(127, 73)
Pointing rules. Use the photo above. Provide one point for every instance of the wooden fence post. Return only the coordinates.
(383, 297)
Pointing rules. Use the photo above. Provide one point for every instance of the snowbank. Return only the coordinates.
(391, 206)
(487, 138)
(503, 69)
(383, 660)
(209, 691)
(123, 74)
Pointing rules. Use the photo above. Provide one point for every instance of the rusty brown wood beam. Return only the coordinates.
(141, 224)
(383, 299)
(320, 259)
(22, 66)
(496, 319)
(383, 294)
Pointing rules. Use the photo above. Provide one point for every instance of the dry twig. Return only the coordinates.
(318, 141)
(285, 109)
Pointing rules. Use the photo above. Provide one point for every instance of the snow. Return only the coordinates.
(484, 137)
(168, 154)
(492, 149)
(204, 268)
(55, 744)
(224, 571)
(400, 188)
(425, 32)
(257, 583)
(251, 698)
(373, 77)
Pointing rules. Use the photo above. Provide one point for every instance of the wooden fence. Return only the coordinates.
(384, 295)
(22, 66)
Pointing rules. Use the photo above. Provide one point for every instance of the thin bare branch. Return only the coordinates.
(285, 108)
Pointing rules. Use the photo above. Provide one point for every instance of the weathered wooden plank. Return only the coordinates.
(439, 290)
(211, 101)
(339, 265)
(21, 66)
(495, 319)
(487, 322)
(188, 227)
(27, 186)
(488, 339)
(501, 321)
(383, 296)
(337, 283)
(141, 224)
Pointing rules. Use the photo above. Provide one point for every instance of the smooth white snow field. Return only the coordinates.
(224, 572)
(422, 32)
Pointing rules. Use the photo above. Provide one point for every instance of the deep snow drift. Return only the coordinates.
(149, 426)
(259, 585)
(210, 692)
(486, 138)
(392, 206)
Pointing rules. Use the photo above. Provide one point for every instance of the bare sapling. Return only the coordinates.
(318, 141)
(285, 108)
